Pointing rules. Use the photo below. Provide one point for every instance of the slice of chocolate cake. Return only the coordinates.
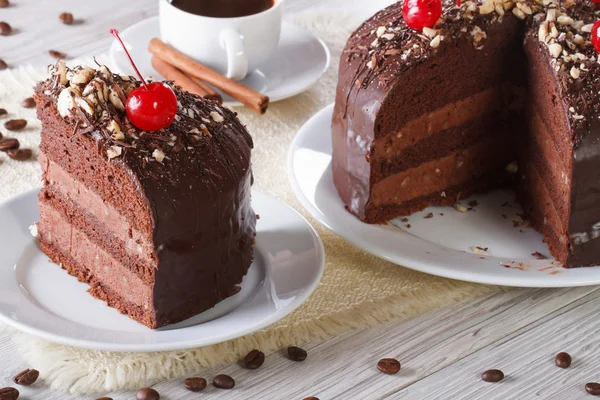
(495, 93)
(159, 224)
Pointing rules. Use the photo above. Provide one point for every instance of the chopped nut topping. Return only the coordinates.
(486, 7)
(216, 116)
(158, 155)
(435, 42)
(555, 50)
(380, 31)
(114, 152)
(460, 208)
(564, 20)
(574, 72)
(115, 129)
(430, 33)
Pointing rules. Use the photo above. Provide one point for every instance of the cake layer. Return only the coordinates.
(447, 142)
(543, 156)
(450, 195)
(488, 102)
(87, 206)
(57, 233)
(537, 204)
(436, 175)
(140, 314)
(100, 234)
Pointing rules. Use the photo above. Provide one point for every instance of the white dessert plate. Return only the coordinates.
(38, 297)
(300, 60)
(436, 244)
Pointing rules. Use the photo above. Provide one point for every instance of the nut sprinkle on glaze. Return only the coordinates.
(564, 31)
(93, 101)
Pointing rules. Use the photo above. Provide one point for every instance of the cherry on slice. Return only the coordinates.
(152, 106)
(596, 36)
(419, 14)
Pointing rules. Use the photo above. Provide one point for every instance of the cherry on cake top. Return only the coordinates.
(152, 106)
(596, 35)
(419, 14)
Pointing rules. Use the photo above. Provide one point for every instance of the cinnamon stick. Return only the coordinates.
(249, 97)
(210, 92)
(171, 73)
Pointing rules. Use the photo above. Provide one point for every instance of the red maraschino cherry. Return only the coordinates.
(419, 14)
(596, 36)
(153, 105)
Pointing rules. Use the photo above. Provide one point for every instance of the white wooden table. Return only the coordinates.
(442, 352)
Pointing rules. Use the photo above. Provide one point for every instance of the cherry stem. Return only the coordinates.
(115, 33)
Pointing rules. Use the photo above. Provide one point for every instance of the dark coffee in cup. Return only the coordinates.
(223, 8)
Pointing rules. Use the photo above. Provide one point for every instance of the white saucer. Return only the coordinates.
(38, 297)
(441, 245)
(300, 60)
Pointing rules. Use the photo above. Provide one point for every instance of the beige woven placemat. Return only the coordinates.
(357, 290)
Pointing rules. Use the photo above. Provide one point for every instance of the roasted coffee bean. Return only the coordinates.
(4, 3)
(296, 353)
(311, 398)
(66, 18)
(3, 111)
(147, 394)
(28, 103)
(389, 366)
(3, 64)
(254, 360)
(20, 154)
(492, 375)
(592, 388)
(5, 29)
(9, 393)
(563, 360)
(105, 398)
(223, 382)
(57, 54)
(15, 124)
(29, 376)
(9, 144)
(195, 384)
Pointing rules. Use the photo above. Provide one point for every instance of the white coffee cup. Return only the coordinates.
(231, 46)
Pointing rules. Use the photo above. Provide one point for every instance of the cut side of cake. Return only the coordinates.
(159, 224)
(495, 95)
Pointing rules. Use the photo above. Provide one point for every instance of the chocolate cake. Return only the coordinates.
(159, 224)
(495, 94)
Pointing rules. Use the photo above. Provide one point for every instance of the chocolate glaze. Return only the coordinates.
(195, 201)
(385, 63)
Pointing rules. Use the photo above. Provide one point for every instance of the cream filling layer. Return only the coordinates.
(136, 244)
(447, 117)
(437, 175)
(60, 234)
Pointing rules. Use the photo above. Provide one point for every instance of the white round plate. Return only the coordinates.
(299, 61)
(440, 245)
(38, 297)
